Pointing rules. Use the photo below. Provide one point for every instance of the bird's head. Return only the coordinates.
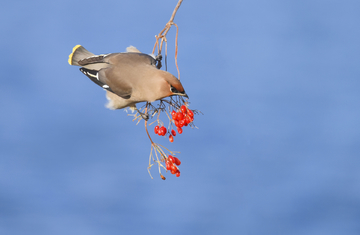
(174, 85)
(178, 91)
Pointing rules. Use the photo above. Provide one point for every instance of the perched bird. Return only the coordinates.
(128, 78)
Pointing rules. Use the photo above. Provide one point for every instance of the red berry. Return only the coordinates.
(190, 113)
(173, 132)
(171, 159)
(171, 138)
(156, 129)
(183, 109)
(174, 168)
(173, 172)
(163, 130)
(176, 123)
(180, 116)
(168, 165)
(174, 115)
(188, 119)
(179, 129)
(177, 161)
(182, 123)
(178, 174)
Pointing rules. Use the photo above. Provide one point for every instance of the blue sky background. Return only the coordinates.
(277, 150)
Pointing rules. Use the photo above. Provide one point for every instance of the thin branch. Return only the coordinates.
(176, 49)
(162, 36)
(146, 111)
(148, 107)
(175, 10)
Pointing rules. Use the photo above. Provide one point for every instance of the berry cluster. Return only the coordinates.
(171, 165)
(161, 131)
(179, 117)
(183, 117)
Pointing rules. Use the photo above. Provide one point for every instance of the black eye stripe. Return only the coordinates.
(172, 89)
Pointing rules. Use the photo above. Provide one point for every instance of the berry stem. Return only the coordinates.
(146, 121)
(155, 147)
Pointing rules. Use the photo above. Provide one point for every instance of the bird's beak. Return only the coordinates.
(183, 94)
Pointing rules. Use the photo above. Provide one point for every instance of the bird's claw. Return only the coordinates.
(144, 116)
(158, 58)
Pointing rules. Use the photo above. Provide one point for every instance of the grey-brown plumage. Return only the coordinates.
(128, 78)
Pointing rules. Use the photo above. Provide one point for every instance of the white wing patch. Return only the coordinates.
(132, 49)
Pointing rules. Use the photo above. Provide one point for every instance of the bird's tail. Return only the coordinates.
(78, 53)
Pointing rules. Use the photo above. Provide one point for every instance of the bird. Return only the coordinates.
(128, 77)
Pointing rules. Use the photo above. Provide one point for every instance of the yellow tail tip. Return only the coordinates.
(72, 54)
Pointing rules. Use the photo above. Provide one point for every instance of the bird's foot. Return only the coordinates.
(144, 116)
(158, 59)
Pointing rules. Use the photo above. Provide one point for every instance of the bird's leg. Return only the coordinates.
(158, 59)
(144, 116)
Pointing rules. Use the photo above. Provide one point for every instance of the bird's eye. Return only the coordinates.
(172, 89)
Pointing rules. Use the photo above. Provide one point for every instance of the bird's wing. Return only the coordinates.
(94, 76)
(125, 71)
(130, 58)
(116, 81)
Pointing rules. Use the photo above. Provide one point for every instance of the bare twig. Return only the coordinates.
(149, 108)
(163, 33)
(175, 10)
